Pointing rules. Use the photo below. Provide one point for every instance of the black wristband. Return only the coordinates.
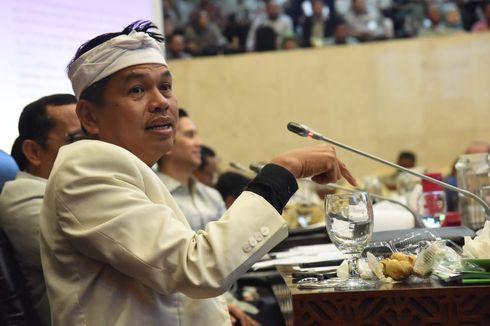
(275, 184)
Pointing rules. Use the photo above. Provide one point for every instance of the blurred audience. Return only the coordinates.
(483, 25)
(237, 26)
(441, 20)
(268, 28)
(176, 47)
(341, 34)
(367, 23)
(203, 36)
(213, 10)
(318, 26)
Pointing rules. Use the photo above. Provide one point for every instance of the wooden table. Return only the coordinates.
(426, 303)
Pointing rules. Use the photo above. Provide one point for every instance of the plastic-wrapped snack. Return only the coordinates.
(399, 266)
(377, 269)
(442, 251)
(426, 259)
(414, 242)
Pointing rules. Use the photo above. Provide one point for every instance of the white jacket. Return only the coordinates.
(116, 250)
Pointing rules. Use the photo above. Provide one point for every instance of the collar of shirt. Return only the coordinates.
(173, 184)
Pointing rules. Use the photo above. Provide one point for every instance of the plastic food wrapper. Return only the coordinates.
(444, 259)
(376, 269)
(363, 268)
(479, 247)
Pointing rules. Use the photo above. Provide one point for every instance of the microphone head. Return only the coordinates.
(238, 166)
(256, 167)
(298, 129)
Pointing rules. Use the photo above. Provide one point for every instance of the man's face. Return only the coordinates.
(187, 147)
(273, 10)
(317, 8)
(139, 111)
(178, 44)
(209, 176)
(66, 129)
(359, 6)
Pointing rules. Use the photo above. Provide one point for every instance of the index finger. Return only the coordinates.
(347, 174)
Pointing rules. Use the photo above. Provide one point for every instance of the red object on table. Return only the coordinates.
(451, 219)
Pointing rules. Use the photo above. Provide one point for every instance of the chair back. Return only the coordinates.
(16, 307)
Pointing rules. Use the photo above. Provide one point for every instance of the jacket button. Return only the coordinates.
(246, 248)
(265, 231)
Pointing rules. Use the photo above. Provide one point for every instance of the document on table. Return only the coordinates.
(301, 255)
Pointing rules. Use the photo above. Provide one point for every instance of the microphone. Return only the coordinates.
(239, 167)
(256, 167)
(305, 131)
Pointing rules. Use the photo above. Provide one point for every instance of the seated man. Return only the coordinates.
(44, 126)
(199, 203)
(207, 172)
(230, 185)
(405, 159)
(116, 249)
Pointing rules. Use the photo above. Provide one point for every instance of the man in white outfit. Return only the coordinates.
(116, 249)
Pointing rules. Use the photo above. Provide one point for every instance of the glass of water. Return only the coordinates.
(349, 222)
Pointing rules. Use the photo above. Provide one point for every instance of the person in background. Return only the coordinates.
(8, 168)
(367, 23)
(44, 126)
(115, 247)
(289, 42)
(406, 159)
(213, 12)
(200, 203)
(483, 25)
(230, 185)
(317, 27)
(204, 36)
(441, 20)
(208, 171)
(341, 34)
(176, 47)
(273, 20)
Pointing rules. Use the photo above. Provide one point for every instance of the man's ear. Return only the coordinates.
(87, 114)
(32, 151)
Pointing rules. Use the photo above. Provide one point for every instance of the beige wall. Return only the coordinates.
(427, 95)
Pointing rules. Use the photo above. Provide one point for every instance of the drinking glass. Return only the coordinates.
(349, 223)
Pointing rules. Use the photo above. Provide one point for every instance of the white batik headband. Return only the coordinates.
(109, 57)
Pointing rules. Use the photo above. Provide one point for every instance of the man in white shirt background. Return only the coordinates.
(44, 126)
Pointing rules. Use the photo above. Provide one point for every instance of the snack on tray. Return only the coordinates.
(399, 266)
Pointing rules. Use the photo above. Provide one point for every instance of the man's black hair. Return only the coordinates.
(231, 184)
(183, 113)
(94, 92)
(407, 155)
(35, 124)
(206, 152)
